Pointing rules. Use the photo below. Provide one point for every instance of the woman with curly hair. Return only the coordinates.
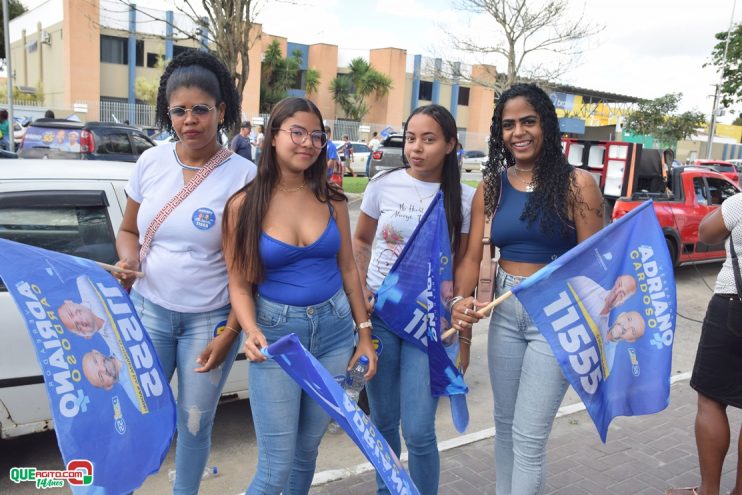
(171, 231)
(291, 270)
(542, 207)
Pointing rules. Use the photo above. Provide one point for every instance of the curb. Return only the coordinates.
(331, 475)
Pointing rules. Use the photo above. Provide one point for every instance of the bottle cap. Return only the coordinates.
(363, 360)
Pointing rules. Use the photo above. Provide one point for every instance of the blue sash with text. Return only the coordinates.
(321, 386)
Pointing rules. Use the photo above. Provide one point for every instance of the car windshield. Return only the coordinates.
(50, 142)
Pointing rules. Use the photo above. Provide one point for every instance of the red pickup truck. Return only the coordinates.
(690, 194)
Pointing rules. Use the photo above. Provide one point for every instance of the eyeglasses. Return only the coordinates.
(196, 111)
(299, 135)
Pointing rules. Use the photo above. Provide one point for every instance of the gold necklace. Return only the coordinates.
(529, 185)
(291, 189)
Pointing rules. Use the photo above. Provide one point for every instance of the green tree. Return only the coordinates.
(146, 89)
(280, 74)
(351, 90)
(15, 8)
(659, 118)
(731, 68)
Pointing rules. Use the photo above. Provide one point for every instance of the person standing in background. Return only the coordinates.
(241, 142)
(4, 129)
(259, 138)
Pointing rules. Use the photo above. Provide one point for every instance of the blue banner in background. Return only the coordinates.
(411, 301)
(317, 382)
(110, 401)
(607, 308)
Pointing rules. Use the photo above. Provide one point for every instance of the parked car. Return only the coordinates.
(690, 194)
(737, 164)
(473, 160)
(360, 155)
(723, 167)
(66, 139)
(388, 156)
(74, 207)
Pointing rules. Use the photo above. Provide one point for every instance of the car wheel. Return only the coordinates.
(673, 250)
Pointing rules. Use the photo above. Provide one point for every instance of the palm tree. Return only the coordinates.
(351, 90)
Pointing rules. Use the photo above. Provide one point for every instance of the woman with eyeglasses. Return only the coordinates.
(291, 270)
(182, 299)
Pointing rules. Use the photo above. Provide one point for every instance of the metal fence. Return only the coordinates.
(139, 114)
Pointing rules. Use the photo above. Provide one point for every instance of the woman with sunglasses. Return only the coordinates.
(182, 299)
(291, 270)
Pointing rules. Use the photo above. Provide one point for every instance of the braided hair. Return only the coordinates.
(554, 179)
(204, 71)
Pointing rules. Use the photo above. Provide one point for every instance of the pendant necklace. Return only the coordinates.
(529, 185)
(420, 197)
(291, 189)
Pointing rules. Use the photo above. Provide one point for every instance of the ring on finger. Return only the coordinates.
(461, 323)
(466, 311)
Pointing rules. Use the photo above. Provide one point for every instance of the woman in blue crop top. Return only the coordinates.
(291, 269)
(543, 208)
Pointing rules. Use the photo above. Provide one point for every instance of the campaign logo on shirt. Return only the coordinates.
(204, 218)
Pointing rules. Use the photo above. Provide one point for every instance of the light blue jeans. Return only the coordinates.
(179, 338)
(289, 424)
(528, 387)
(401, 391)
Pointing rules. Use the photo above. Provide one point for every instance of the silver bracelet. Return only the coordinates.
(453, 301)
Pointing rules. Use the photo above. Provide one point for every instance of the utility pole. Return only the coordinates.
(9, 70)
(715, 112)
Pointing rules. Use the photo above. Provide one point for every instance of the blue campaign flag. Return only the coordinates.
(607, 308)
(411, 301)
(112, 405)
(321, 386)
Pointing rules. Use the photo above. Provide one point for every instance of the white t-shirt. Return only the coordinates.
(398, 201)
(374, 144)
(184, 270)
(731, 212)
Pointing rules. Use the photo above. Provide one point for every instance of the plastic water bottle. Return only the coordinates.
(352, 384)
(356, 379)
(209, 472)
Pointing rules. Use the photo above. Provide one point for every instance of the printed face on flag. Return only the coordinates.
(607, 309)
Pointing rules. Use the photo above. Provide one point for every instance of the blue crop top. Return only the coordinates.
(301, 276)
(519, 241)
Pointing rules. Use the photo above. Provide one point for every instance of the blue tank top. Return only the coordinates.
(301, 276)
(519, 241)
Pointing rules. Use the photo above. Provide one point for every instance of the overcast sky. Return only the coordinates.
(645, 48)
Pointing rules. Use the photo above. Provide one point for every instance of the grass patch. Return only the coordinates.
(355, 184)
(358, 184)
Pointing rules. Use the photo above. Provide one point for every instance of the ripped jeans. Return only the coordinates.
(179, 338)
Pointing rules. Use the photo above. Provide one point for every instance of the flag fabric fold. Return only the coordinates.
(321, 386)
(411, 301)
(112, 406)
(607, 308)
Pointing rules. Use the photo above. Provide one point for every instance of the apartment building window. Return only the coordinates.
(115, 50)
(426, 90)
(463, 96)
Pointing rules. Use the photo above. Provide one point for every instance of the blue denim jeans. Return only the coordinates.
(289, 424)
(400, 391)
(528, 387)
(178, 339)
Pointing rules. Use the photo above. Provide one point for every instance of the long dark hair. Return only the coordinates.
(554, 179)
(451, 175)
(204, 71)
(256, 196)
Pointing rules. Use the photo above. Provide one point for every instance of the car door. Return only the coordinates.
(718, 190)
(78, 218)
(360, 157)
(140, 143)
(113, 144)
